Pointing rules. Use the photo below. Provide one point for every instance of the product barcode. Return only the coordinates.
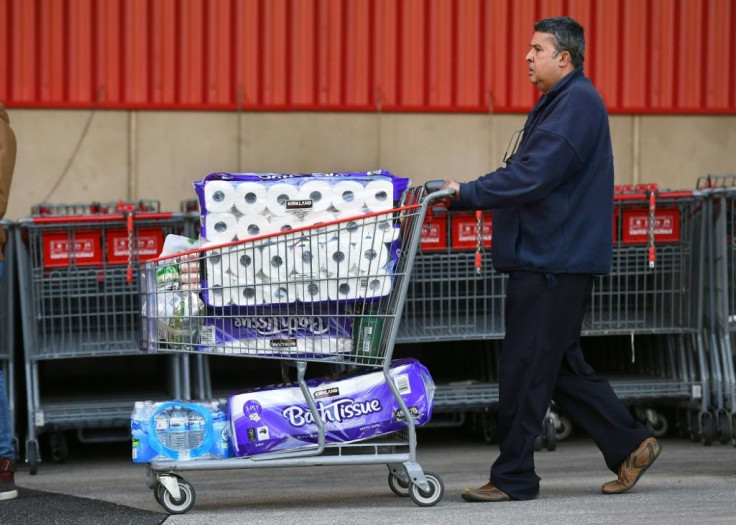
(207, 335)
(402, 383)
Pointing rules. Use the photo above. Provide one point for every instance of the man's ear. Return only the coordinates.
(564, 58)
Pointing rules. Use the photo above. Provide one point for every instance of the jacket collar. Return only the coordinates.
(559, 87)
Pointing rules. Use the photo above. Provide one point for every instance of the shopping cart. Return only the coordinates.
(79, 301)
(372, 303)
(7, 327)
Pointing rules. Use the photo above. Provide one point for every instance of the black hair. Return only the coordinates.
(568, 35)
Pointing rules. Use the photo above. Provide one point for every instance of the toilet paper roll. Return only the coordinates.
(348, 195)
(285, 223)
(351, 225)
(319, 192)
(374, 287)
(250, 198)
(381, 227)
(250, 226)
(379, 195)
(277, 262)
(248, 295)
(215, 263)
(217, 296)
(220, 227)
(219, 196)
(309, 258)
(320, 227)
(280, 293)
(343, 289)
(310, 291)
(341, 258)
(242, 265)
(277, 196)
(373, 259)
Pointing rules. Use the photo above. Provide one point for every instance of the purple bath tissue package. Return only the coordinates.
(353, 407)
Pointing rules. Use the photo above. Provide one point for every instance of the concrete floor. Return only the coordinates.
(689, 483)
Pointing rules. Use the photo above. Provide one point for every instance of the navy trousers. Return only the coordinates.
(541, 360)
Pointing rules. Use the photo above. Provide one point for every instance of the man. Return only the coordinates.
(552, 227)
(7, 164)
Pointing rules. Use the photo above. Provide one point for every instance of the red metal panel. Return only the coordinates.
(660, 56)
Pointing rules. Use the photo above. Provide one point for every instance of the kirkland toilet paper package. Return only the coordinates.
(238, 206)
(352, 408)
(272, 332)
(180, 430)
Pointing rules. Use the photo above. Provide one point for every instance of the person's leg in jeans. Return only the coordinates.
(7, 454)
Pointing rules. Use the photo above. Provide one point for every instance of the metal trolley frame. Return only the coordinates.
(79, 299)
(7, 326)
(377, 297)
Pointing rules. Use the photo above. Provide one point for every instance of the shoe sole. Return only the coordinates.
(10, 494)
(473, 498)
(641, 473)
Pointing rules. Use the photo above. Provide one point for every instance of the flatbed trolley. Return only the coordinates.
(376, 298)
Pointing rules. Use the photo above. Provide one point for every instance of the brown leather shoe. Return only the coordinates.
(488, 492)
(631, 470)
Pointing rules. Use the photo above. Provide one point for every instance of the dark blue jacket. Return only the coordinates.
(553, 203)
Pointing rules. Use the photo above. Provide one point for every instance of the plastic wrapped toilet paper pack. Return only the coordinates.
(279, 328)
(352, 408)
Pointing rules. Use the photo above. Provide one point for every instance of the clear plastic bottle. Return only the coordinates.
(196, 429)
(178, 435)
(161, 420)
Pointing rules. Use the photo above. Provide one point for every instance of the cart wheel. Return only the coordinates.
(489, 429)
(706, 428)
(432, 496)
(550, 434)
(176, 506)
(59, 447)
(724, 424)
(659, 427)
(565, 428)
(157, 491)
(398, 486)
(32, 456)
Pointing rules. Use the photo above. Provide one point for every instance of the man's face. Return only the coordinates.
(545, 69)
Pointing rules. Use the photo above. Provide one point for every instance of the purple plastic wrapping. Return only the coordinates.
(274, 334)
(353, 408)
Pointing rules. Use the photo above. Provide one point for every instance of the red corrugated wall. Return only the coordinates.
(645, 56)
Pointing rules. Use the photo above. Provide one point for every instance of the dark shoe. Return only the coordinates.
(488, 492)
(7, 481)
(631, 470)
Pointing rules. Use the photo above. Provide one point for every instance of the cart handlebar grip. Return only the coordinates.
(435, 191)
(434, 185)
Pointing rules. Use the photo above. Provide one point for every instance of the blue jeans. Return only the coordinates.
(6, 433)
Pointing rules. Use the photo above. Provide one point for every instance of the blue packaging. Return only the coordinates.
(180, 430)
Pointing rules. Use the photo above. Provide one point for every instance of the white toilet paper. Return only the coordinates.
(351, 225)
(374, 287)
(309, 259)
(217, 295)
(250, 226)
(277, 262)
(220, 227)
(379, 195)
(309, 291)
(277, 196)
(242, 264)
(219, 196)
(341, 258)
(373, 259)
(343, 289)
(319, 192)
(250, 198)
(381, 227)
(349, 195)
(248, 295)
(285, 223)
(281, 293)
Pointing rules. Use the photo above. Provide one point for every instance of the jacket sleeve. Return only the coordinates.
(548, 160)
(7, 159)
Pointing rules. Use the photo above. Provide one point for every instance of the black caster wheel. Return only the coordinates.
(398, 486)
(59, 447)
(432, 496)
(32, 457)
(565, 429)
(659, 427)
(707, 428)
(550, 434)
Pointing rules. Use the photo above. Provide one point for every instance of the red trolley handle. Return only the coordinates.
(650, 229)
